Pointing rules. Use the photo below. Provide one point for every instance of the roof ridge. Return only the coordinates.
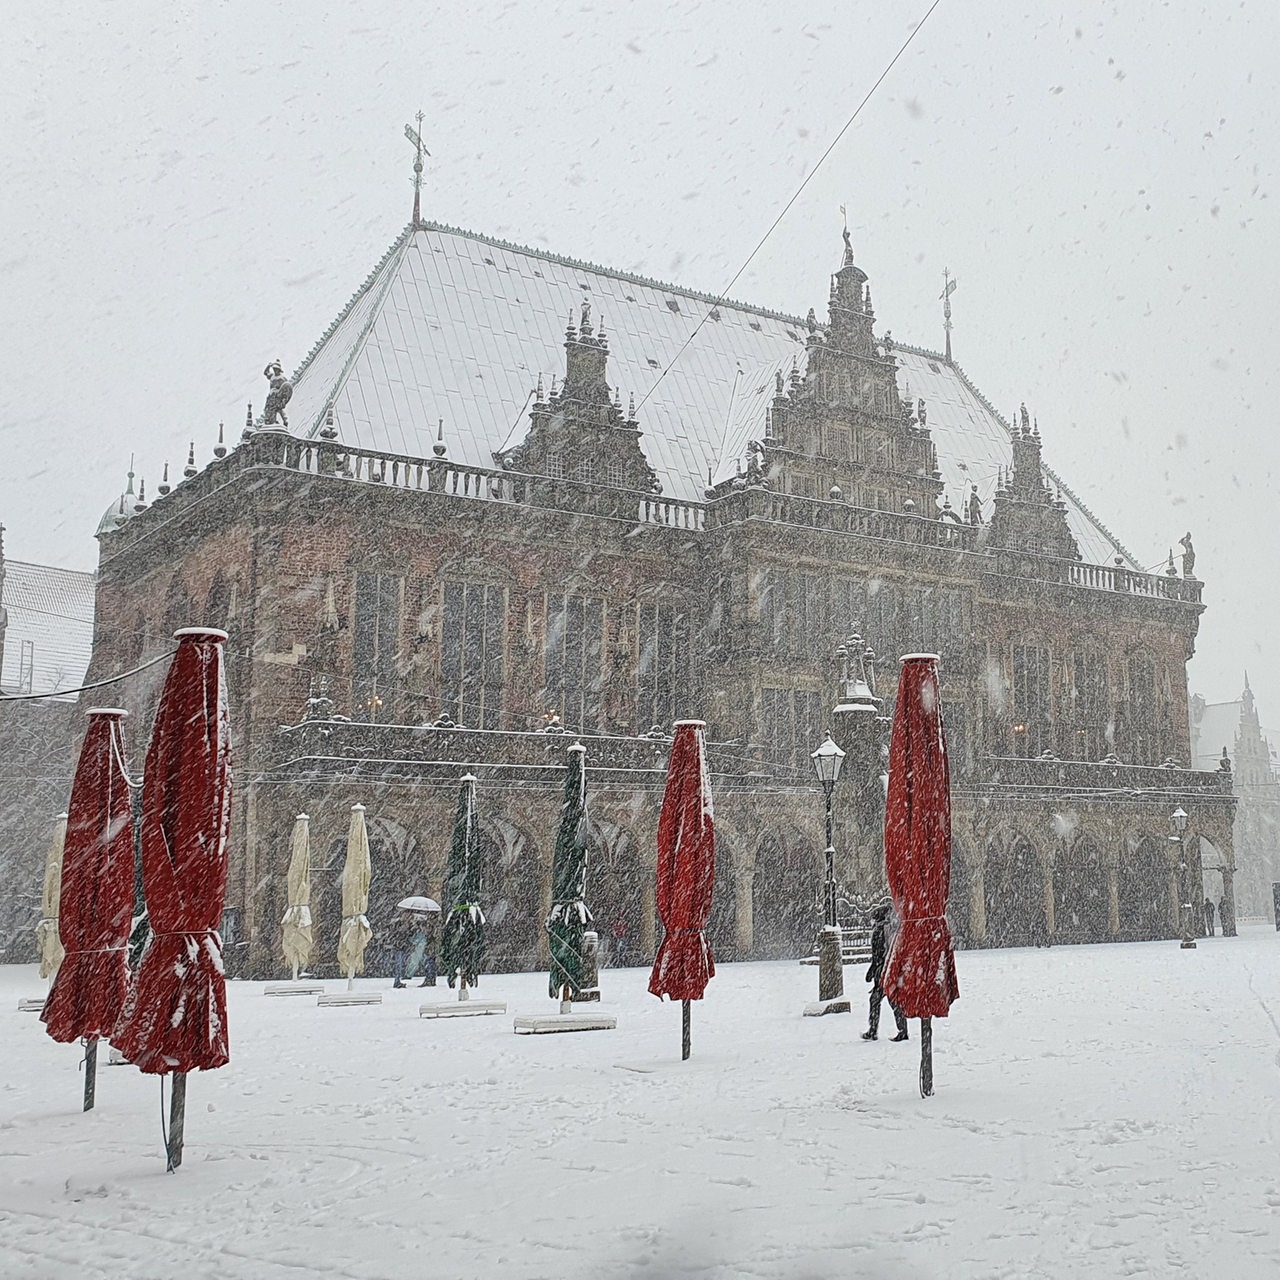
(630, 276)
(543, 256)
(351, 302)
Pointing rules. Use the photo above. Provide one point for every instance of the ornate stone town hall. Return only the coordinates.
(521, 500)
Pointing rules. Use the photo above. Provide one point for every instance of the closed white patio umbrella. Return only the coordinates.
(356, 873)
(47, 930)
(296, 940)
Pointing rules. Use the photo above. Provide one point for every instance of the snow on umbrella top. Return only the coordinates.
(921, 973)
(175, 1015)
(96, 910)
(686, 869)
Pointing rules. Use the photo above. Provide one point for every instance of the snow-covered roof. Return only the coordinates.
(457, 326)
(49, 636)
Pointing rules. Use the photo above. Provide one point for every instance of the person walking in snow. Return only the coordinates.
(620, 941)
(875, 975)
(1208, 917)
(402, 933)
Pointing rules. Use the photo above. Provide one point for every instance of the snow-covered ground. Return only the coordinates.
(1100, 1111)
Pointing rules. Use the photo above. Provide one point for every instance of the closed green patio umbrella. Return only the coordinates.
(569, 914)
(462, 937)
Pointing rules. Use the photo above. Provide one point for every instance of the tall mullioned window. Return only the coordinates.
(1032, 700)
(664, 676)
(375, 643)
(1089, 730)
(472, 653)
(574, 668)
(792, 727)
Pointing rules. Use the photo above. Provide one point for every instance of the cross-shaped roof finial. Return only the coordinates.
(415, 136)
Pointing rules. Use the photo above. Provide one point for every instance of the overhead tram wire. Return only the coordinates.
(786, 208)
(84, 688)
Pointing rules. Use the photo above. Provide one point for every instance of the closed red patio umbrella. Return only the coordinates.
(920, 977)
(175, 1016)
(96, 905)
(686, 875)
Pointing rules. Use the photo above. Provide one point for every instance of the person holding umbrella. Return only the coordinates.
(875, 975)
(404, 929)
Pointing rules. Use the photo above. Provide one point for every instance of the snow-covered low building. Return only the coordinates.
(46, 634)
(521, 499)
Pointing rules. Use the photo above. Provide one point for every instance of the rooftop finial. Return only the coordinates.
(141, 503)
(439, 448)
(190, 469)
(415, 136)
(219, 449)
(631, 407)
(163, 487)
(845, 236)
(129, 488)
(948, 288)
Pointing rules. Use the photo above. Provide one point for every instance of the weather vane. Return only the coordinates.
(948, 288)
(415, 136)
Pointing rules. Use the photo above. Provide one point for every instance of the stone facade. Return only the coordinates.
(398, 620)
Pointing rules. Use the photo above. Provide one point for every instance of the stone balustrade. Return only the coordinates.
(1049, 775)
(272, 448)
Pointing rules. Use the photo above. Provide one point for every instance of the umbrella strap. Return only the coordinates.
(189, 933)
(95, 951)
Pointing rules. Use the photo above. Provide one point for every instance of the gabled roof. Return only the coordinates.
(457, 326)
(49, 636)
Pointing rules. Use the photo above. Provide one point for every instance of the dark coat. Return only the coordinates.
(401, 934)
(879, 951)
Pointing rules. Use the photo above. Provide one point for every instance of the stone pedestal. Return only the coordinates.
(830, 964)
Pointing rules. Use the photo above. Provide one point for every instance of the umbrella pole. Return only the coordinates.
(90, 1071)
(295, 971)
(462, 987)
(685, 1041)
(926, 1057)
(566, 1001)
(351, 979)
(177, 1118)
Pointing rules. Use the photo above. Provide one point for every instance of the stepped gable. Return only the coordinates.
(458, 327)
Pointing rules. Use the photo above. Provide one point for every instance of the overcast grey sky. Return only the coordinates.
(193, 189)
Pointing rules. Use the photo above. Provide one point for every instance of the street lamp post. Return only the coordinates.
(826, 762)
(1178, 827)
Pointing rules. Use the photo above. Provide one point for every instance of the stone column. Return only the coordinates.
(743, 921)
(648, 922)
(542, 944)
(978, 903)
(1228, 902)
(1113, 900)
(1050, 922)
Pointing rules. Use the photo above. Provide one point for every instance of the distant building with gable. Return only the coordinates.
(1232, 730)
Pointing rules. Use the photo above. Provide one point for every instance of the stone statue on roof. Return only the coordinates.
(277, 396)
(975, 506)
(1188, 555)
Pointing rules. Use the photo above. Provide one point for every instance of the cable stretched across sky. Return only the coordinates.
(786, 208)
